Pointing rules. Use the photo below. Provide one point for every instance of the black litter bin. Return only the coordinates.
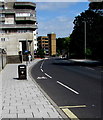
(22, 72)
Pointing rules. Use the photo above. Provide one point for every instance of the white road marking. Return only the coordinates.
(42, 70)
(41, 78)
(42, 65)
(90, 68)
(68, 87)
(47, 75)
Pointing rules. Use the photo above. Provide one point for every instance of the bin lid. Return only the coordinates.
(22, 66)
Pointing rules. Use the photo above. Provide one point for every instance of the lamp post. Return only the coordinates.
(85, 38)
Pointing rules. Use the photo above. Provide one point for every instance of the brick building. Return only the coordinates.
(48, 44)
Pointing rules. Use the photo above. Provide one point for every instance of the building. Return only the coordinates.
(43, 43)
(52, 44)
(17, 28)
(48, 44)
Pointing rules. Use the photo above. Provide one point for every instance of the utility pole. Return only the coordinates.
(85, 39)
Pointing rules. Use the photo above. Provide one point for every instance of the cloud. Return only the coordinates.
(51, 5)
(55, 0)
(53, 17)
(61, 25)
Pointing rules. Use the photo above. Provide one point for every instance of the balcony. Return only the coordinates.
(25, 5)
(8, 11)
(18, 26)
(24, 11)
(25, 19)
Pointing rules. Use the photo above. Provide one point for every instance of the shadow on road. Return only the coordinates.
(91, 63)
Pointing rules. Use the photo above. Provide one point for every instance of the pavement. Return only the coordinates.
(23, 98)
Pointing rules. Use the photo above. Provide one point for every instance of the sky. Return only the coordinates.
(57, 17)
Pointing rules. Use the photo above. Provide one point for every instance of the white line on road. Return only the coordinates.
(47, 75)
(68, 87)
(42, 65)
(42, 70)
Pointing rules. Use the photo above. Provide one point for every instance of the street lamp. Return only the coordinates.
(85, 38)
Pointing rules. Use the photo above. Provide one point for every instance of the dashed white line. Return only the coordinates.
(42, 65)
(42, 70)
(47, 75)
(68, 87)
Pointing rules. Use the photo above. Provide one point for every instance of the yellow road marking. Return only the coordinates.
(70, 114)
(78, 106)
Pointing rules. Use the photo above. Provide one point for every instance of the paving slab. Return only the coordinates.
(23, 98)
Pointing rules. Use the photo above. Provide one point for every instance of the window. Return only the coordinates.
(46, 41)
(22, 31)
(1, 7)
(46, 45)
(2, 31)
(2, 15)
(22, 14)
(45, 38)
(2, 39)
(2, 22)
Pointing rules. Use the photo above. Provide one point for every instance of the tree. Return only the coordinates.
(40, 53)
(94, 26)
(63, 46)
(66, 46)
(60, 45)
(97, 7)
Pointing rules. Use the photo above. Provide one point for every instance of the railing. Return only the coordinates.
(13, 11)
(17, 26)
(25, 18)
(2, 59)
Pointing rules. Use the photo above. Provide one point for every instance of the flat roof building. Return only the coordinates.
(17, 28)
(48, 44)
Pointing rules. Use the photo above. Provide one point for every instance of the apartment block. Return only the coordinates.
(48, 44)
(43, 43)
(18, 28)
(52, 43)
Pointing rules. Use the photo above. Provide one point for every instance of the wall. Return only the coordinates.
(11, 42)
(52, 40)
(2, 60)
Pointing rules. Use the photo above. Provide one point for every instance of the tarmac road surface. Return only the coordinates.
(74, 88)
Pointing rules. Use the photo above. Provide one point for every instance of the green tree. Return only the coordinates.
(40, 53)
(94, 26)
(97, 7)
(63, 46)
(66, 46)
(60, 45)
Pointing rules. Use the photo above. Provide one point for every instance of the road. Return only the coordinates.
(73, 88)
